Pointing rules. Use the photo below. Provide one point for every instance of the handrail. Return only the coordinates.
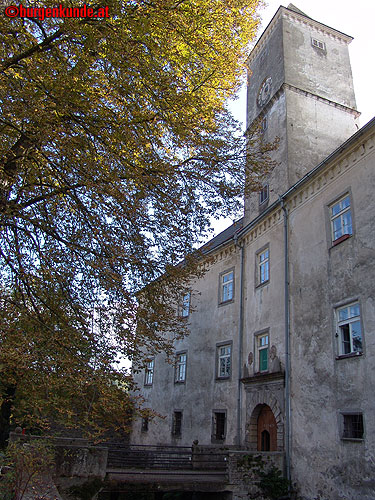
(165, 458)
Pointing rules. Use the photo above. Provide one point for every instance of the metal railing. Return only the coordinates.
(165, 458)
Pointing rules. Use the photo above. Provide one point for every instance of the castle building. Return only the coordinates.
(282, 325)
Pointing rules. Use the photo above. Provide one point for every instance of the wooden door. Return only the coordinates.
(267, 430)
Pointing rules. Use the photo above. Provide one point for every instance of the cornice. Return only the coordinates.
(287, 86)
(316, 26)
(286, 13)
(332, 171)
(262, 378)
(334, 104)
(264, 37)
(265, 225)
(227, 249)
(343, 159)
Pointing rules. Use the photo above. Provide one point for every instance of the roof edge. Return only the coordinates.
(241, 233)
(304, 18)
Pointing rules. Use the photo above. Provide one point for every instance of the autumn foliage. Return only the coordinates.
(116, 148)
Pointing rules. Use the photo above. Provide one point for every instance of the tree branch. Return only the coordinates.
(45, 45)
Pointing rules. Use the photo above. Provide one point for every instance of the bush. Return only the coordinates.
(24, 466)
(273, 484)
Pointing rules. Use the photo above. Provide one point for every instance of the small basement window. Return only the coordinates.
(352, 426)
(177, 423)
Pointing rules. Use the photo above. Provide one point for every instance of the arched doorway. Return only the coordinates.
(266, 430)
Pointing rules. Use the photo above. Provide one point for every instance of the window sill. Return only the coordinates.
(262, 284)
(263, 206)
(341, 239)
(220, 379)
(217, 441)
(261, 377)
(350, 355)
(179, 382)
(230, 301)
(356, 440)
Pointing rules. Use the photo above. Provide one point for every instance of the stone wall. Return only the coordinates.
(76, 463)
(245, 471)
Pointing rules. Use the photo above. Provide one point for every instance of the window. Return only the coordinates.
(219, 425)
(264, 192)
(263, 266)
(149, 372)
(318, 44)
(181, 360)
(262, 348)
(144, 427)
(352, 426)
(177, 423)
(185, 306)
(224, 353)
(226, 286)
(349, 329)
(263, 127)
(341, 219)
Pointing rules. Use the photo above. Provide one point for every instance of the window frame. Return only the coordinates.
(178, 365)
(177, 433)
(341, 342)
(145, 424)
(344, 426)
(149, 372)
(332, 217)
(260, 263)
(265, 187)
(318, 44)
(220, 346)
(185, 305)
(222, 284)
(265, 332)
(260, 348)
(214, 433)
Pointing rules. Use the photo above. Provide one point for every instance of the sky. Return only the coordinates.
(352, 18)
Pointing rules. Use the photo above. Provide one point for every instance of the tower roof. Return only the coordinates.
(296, 9)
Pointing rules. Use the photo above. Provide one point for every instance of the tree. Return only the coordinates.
(116, 148)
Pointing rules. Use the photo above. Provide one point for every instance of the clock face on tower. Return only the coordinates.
(264, 93)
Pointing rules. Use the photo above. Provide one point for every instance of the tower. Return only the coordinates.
(301, 90)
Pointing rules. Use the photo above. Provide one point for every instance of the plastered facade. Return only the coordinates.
(310, 105)
(323, 275)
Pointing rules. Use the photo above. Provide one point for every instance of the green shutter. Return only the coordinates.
(263, 360)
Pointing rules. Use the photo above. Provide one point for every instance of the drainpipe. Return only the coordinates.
(287, 348)
(240, 342)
